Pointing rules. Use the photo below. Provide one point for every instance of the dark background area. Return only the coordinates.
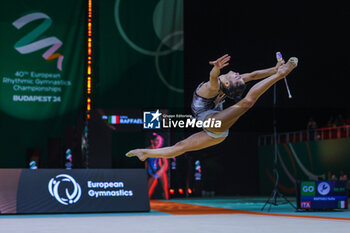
(252, 32)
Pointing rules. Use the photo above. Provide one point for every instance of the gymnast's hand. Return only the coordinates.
(279, 63)
(221, 62)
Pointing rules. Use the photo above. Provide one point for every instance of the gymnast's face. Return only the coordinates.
(232, 77)
(232, 85)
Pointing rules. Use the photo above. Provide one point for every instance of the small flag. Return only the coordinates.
(341, 204)
(114, 119)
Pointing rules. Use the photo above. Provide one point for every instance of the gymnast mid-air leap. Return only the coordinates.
(208, 103)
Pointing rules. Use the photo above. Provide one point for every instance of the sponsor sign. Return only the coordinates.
(77, 190)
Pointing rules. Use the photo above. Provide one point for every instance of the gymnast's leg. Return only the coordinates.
(195, 142)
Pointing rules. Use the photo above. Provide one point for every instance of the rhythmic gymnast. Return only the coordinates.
(208, 103)
(157, 168)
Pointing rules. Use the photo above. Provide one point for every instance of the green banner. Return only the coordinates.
(41, 74)
(140, 54)
(302, 161)
(41, 57)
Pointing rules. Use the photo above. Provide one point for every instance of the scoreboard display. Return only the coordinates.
(322, 195)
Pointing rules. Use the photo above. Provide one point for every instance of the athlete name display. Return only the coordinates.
(321, 195)
(27, 191)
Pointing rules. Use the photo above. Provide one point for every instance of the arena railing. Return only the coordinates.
(307, 135)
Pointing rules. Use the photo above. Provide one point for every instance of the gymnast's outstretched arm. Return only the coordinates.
(260, 74)
(212, 87)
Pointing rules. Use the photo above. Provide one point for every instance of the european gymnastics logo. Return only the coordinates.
(67, 197)
(27, 44)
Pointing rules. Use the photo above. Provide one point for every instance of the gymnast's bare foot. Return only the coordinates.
(285, 69)
(140, 153)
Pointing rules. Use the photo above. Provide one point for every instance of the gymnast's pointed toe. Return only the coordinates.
(294, 60)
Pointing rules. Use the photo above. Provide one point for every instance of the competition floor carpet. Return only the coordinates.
(234, 214)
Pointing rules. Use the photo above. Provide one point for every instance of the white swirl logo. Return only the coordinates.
(69, 198)
(167, 25)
